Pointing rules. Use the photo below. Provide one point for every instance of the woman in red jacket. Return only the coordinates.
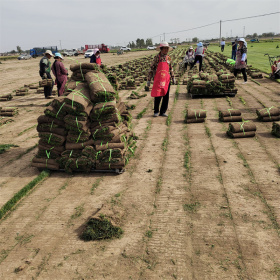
(60, 73)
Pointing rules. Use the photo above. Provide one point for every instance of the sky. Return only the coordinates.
(74, 23)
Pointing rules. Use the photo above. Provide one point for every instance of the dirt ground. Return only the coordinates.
(196, 204)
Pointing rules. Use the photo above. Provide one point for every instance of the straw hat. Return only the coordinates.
(58, 55)
(163, 44)
(49, 52)
(191, 47)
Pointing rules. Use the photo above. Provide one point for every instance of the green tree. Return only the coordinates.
(255, 35)
(195, 39)
(149, 42)
(19, 50)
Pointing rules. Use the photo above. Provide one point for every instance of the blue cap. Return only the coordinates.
(57, 54)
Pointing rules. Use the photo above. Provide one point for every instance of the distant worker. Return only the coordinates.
(45, 72)
(241, 57)
(275, 69)
(198, 55)
(223, 43)
(189, 57)
(60, 73)
(95, 58)
(233, 49)
(161, 70)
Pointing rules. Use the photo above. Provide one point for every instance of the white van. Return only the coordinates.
(89, 53)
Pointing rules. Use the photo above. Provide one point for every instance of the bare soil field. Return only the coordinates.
(194, 204)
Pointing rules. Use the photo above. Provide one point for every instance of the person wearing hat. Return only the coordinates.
(189, 57)
(60, 73)
(161, 71)
(45, 72)
(241, 57)
(95, 58)
(198, 55)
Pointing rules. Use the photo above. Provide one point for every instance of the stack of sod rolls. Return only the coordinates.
(86, 129)
(79, 70)
(195, 116)
(8, 111)
(228, 82)
(6, 97)
(276, 129)
(230, 115)
(242, 129)
(22, 91)
(268, 114)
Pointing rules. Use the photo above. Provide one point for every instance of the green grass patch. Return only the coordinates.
(149, 234)
(242, 100)
(79, 210)
(6, 147)
(191, 207)
(141, 114)
(169, 119)
(101, 228)
(164, 144)
(23, 192)
(27, 129)
(95, 185)
(207, 130)
(229, 101)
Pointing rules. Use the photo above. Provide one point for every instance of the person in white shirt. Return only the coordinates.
(223, 43)
(189, 57)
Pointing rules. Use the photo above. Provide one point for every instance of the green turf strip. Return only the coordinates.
(20, 194)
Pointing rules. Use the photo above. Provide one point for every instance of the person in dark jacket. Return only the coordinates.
(233, 49)
(60, 73)
(95, 58)
(45, 72)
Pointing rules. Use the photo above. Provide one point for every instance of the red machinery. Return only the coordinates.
(102, 48)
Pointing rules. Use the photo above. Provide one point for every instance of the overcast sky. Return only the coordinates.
(74, 23)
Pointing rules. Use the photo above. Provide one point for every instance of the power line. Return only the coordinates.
(193, 28)
(216, 23)
(251, 17)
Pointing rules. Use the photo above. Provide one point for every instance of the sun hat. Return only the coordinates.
(162, 45)
(49, 52)
(242, 40)
(191, 47)
(199, 44)
(95, 50)
(57, 54)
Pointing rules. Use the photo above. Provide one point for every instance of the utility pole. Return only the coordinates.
(164, 37)
(220, 30)
(60, 45)
(243, 31)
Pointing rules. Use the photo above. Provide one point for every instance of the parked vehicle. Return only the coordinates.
(24, 56)
(40, 51)
(151, 48)
(68, 53)
(89, 53)
(125, 49)
(102, 48)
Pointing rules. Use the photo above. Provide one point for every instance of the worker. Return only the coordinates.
(233, 49)
(198, 55)
(189, 57)
(60, 73)
(275, 69)
(45, 72)
(161, 70)
(95, 58)
(223, 43)
(241, 57)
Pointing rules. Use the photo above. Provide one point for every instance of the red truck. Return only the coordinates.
(102, 48)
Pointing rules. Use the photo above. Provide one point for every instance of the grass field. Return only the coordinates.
(256, 53)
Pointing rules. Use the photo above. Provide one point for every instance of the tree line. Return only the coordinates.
(140, 43)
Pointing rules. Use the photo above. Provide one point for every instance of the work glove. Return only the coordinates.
(44, 76)
(242, 62)
(148, 83)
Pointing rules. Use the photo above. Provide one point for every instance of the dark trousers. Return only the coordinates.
(243, 71)
(164, 104)
(199, 59)
(48, 89)
(233, 55)
(222, 47)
